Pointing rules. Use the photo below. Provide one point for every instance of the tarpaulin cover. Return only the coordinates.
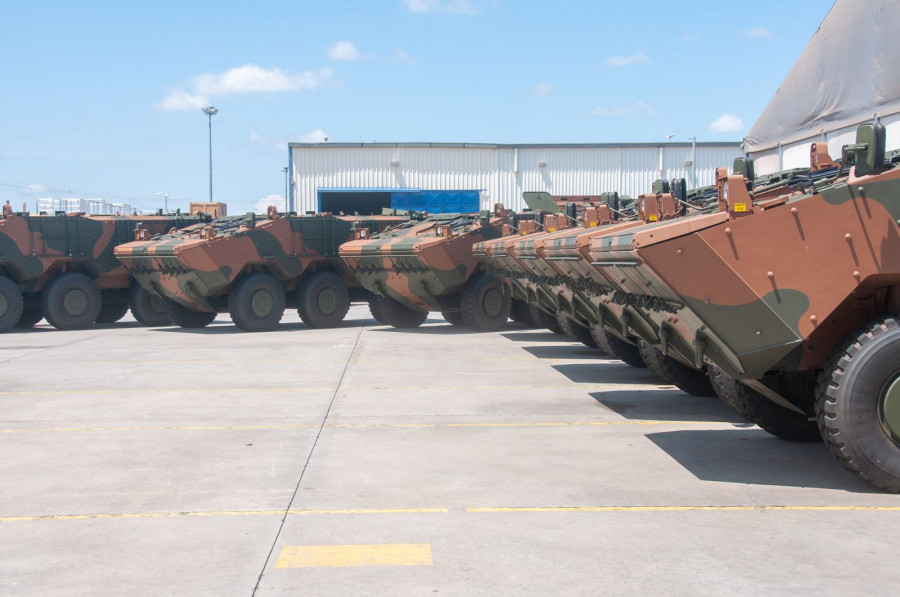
(849, 71)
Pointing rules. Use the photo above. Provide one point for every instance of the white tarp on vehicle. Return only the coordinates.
(848, 74)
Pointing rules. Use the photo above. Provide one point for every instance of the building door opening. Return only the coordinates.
(350, 202)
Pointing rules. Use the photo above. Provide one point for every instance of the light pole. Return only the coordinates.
(166, 198)
(210, 111)
(287, 206)
(693, 162)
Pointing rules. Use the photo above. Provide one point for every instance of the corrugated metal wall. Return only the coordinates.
(796, 155)
(501, 172)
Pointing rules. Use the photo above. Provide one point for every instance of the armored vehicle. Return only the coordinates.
(793, 301)
(428, 265)
(253, 267)
(62, 268)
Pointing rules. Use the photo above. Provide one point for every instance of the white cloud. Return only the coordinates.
(263, 204)
(636, 58)
(542, 89)
(461, 7)
(243, 79)
(621, 110)
(343, 50)
(253, 79)
(403, 58)
(757, 32)
(177, 101)
(727, 123)
(281, 143)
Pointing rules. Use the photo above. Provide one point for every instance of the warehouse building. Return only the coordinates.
(463, 177)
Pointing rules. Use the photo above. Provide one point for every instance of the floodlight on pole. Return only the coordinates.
(166, 198)
(210, 111)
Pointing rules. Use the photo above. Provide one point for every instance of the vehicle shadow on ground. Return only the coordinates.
(607, 371)
(667, 405)
(752, 456)
(532, 335)
(227, 327)
(568, 350)
(442, 328)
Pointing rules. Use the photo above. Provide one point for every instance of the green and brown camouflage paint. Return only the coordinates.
(197, 267)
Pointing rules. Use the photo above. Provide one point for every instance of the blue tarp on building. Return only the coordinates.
(437, 201)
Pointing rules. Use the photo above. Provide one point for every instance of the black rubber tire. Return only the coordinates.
(718, 379)
(484, 303)
(398, 315)
(620, 349)
(31, 312)
(687, 379)
(188, 318)
(323, 300)
(454, 318)
(11, 304)
(148, 309)
(548, 321)
(375, 308)
(533, 317)
(851, 386)
(71, 302)
(256, 303)
(772, 418)
(112, 312)
(576, 331)
(518, 311)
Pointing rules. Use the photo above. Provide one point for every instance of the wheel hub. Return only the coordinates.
(889, 410)
(262, 303)
(75, 302)
(156, 304)
(493, 302)
(328, 300)
(4, 304)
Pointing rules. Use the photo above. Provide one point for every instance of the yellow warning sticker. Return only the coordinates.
(740, 207)
(653, 217)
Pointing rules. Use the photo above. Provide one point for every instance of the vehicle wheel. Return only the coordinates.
(548, 321)
(576, 331)
(31, 312)
(718, 379)
(375, 308)
(148, 309)
(518, 311)
(773, 418)
(599, 336)
(112, 312)
(188, 318)
(454, 318)
(858, 404)
(322, 300)
(484, 303)
(693, 381)
(533, 317)
(11, 304)
(71, 302)
(399, 316)
(620, 349)
(256, 303)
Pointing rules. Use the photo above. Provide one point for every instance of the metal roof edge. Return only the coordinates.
(735, 144)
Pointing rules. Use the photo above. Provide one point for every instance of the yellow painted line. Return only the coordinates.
(522, 387)
(193, 389)
(159, 428)
(344, 556)
(587, 423)
(688, 509)
(358, 426)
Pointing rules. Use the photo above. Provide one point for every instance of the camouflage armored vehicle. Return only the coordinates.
(794, 301)
(62, 268)
(428, 265)
(253, 267)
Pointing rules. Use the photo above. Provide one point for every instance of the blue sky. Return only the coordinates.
(102, 99)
